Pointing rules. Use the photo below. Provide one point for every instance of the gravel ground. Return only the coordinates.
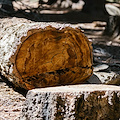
(10, 103)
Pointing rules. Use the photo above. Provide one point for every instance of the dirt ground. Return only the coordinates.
(106, 52)
(10, 103)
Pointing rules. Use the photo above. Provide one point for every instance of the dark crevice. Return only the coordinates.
(60, 108)
(60, 71)
(34, 101)
(28, 80)
(67, 69)
(11, 85)
(51, 73)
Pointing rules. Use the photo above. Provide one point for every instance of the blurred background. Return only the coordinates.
(67, 11)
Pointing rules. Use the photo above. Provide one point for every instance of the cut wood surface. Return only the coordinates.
(35, 54)
(74, 102)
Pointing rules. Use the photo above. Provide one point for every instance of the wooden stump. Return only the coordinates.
(75, 102)
(44, 54)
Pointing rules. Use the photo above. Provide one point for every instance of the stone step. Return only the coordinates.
(74, 102)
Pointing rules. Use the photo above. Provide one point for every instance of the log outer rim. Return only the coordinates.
(78, 88)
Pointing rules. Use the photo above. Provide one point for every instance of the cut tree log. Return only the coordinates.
(74, 102)
(44, 54)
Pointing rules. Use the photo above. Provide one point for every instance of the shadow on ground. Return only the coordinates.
(72, 16)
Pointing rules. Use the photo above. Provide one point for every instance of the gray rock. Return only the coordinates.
(75, 102)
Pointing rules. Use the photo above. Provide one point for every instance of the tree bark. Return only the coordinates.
(44, 54)
(75, 102)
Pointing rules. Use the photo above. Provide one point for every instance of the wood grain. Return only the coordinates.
(50, 56)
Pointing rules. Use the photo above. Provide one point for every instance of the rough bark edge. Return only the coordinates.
(69, 102)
